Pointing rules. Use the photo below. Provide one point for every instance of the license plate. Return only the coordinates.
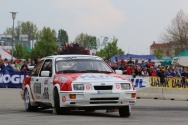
(104, 91)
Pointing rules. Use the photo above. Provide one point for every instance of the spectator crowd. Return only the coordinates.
(17, 65)
(148, 68)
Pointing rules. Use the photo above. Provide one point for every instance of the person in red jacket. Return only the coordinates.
(129, 70)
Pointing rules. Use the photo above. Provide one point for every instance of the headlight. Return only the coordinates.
(125, 86)
(78, 86)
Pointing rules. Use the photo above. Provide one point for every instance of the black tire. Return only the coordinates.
(125, 111)
(59, 110)
(27, 102)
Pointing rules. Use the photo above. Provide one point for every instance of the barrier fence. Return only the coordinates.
(147, 87)
(12, 79)
(173, 88)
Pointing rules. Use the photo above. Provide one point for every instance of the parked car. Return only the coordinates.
(77, 82)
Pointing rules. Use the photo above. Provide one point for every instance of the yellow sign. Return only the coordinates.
(173, 82)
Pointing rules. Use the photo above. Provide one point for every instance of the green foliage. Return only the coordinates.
(46, 46)
(8, 31)
(110, 50)
(87, 41)
(63, 36)
(158, 53)
(43, 49)
(21, 52)
(30, 29)
(47, 35)
(26, 28)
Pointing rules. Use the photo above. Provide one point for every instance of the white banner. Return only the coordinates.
(139, 81)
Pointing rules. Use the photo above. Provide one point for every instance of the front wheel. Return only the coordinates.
(125, 111)
(27, 102)
(59, 110)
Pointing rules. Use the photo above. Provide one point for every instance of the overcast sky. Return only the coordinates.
(136, 23)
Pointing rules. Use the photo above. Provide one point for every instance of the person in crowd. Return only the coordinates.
(136, 63)
(161, 76)
(114, 66)
(9, 67)
(1, 61)
(116, 60)
(3, 67)
(172, 74)
(123, 68)
(166, 73)
(177, 72)
(12, 63)
(24, 67)
(16, 66)
(142, 64)
(129, 70)
(5, 61)
(138, 71)
(145, 72)
(130, 62)
(123, 61)
(37, 59)
(28, 61)
(32, 63)
(152, 71)
(184, 76)
(118, 65)
(55, 53)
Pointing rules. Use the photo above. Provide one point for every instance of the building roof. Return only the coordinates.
(160, 45)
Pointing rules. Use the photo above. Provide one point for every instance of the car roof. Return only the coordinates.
(58, 56)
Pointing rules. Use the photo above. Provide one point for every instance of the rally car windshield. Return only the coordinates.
(82, 65)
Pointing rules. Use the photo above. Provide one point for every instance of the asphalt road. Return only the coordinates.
(145, 112)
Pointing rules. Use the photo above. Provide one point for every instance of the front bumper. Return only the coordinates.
(97, 99)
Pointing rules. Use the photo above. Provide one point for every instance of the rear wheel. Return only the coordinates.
(27, 102)
(125, 111)
(59, 110)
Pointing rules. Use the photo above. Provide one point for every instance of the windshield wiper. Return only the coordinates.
(97, 71)
(69, 71)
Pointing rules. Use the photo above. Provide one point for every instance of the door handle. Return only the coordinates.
(37, 79)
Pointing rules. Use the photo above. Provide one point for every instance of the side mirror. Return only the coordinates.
(119, 72)
(45, 73)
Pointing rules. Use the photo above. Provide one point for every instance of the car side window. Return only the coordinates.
(36, 69)
(47, 66)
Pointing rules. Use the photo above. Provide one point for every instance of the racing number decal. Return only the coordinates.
(117, 86)
(45, 94)
(63, 98)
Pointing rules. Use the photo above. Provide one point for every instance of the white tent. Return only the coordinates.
(5, 54)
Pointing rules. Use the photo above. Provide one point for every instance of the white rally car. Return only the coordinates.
(77, 82)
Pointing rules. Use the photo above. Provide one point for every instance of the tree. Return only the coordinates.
(177, 32)
(47, 35)
(158, 53)
(25, 28)
(87, 41)
(21, 52)
(46, 45)
(110, 50)
(30, 29)
(63, 36)
(74, 48)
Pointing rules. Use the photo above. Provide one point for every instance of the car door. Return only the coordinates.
(35, 83)
(46, 81)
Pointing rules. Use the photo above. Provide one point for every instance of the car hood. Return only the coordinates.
(86, 77)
